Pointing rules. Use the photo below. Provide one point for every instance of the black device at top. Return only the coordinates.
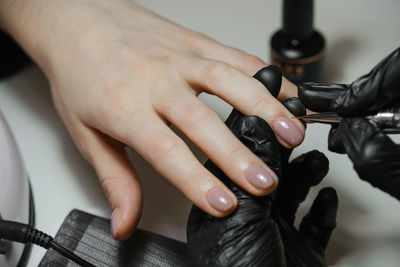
(298, 18)
(297, 48)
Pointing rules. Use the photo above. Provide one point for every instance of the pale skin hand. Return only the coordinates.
(119, 73)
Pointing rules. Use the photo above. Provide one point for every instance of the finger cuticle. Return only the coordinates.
(115, 221)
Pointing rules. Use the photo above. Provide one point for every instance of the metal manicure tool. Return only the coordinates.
(388, 120)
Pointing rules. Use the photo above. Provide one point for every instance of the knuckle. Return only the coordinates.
(193, 38)
(105, 109)
(195, 118)
(235, 154)
(368, 162)
(109, 115)
(201, 42)
(251, 61)
(367, 157)
(163, 147)
(111, 100)
(174, 102)
(85, 150)
(84, 144)
(214, 73)
(260, 102)
(106, 183)
(114, 111)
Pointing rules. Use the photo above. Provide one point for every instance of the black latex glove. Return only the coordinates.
(375, 156)
(261, 232)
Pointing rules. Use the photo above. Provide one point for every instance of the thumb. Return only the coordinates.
(117, 177)
(318, 96)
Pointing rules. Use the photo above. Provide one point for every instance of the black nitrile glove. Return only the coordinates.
(260, 232)
(375, 156)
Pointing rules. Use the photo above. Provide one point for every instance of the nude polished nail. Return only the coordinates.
(115, 222)
(220, 199)
(260, 177)
(288, 131)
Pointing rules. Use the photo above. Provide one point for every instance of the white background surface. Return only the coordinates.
(359, 33)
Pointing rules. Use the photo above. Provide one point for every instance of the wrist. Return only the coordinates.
(44, 28)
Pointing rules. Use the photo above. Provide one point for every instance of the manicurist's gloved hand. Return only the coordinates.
(375, 156)
(260, 232)
(119, 74)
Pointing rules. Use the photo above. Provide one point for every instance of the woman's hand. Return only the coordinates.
(119, 74)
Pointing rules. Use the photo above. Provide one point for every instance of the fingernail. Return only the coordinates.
(115, 222)
(220, 199)
(260, 177)
(288, 131)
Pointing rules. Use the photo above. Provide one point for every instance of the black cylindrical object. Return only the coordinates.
(297, 20)
(297, 48)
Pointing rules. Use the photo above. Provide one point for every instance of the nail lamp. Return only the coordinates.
(15, 195)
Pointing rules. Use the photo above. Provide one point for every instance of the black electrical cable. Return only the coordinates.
(69, 254)
(24, 233)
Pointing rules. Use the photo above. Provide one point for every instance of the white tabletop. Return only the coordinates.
(358, 32)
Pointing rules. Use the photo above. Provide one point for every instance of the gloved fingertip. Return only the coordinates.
(321, 219)
(318, 96)
(304, 88)
(319, 163)
(271, 78)
(295, 106)
(325, 207)
(335, 141)
(313, 166)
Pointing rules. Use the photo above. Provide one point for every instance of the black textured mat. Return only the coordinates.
(89, 236)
